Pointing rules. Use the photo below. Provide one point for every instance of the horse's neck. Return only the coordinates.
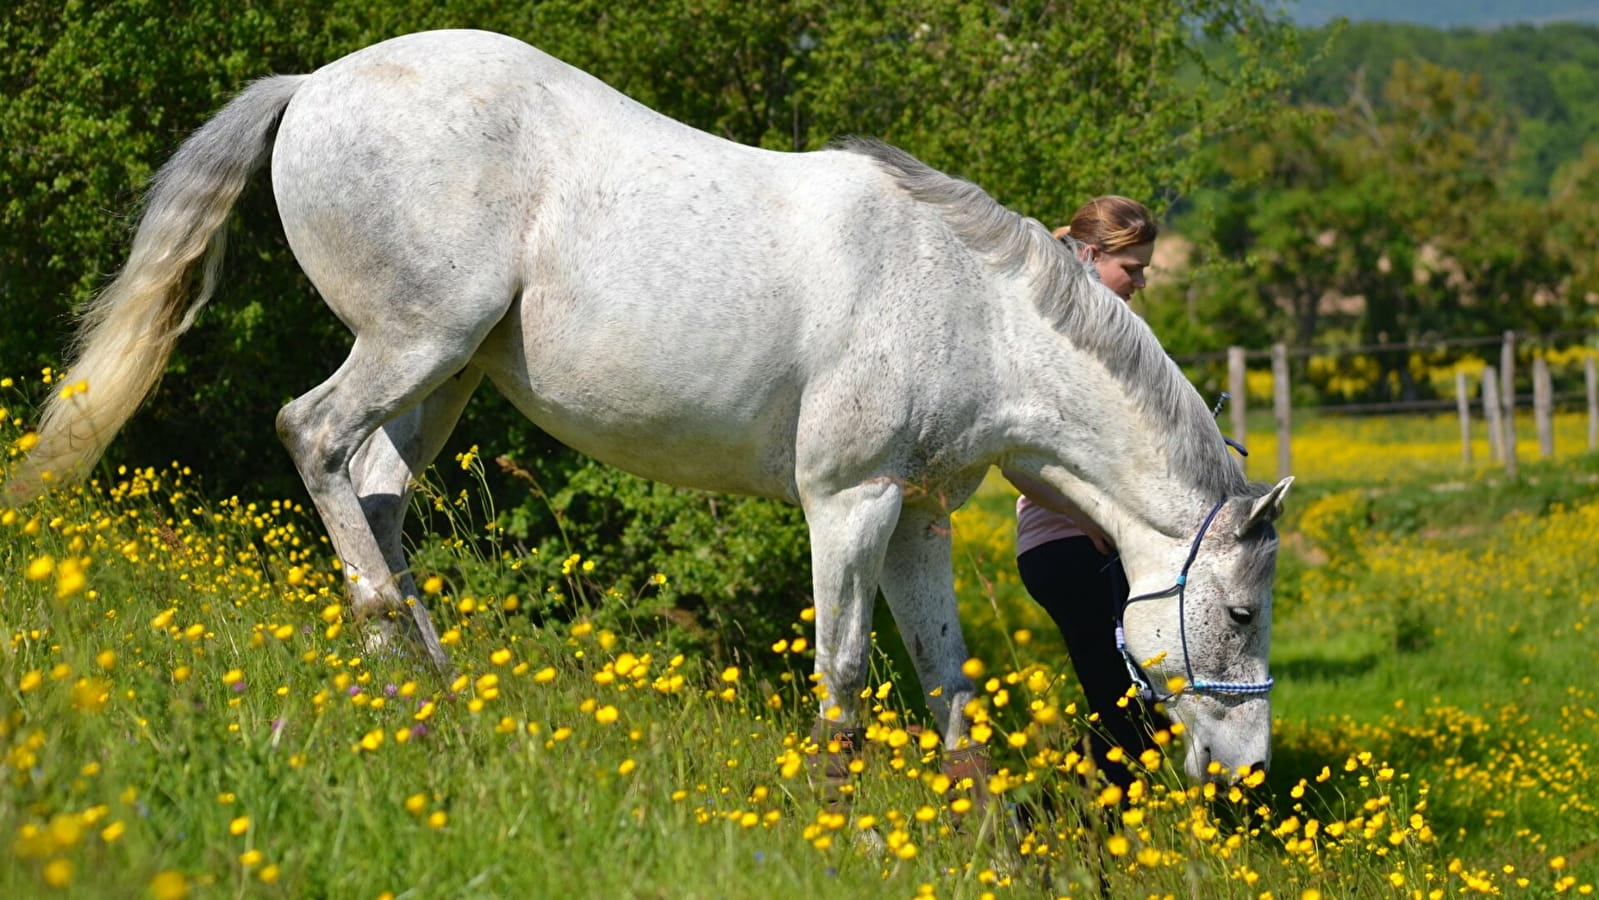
(1082, 432)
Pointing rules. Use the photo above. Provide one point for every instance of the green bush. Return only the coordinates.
(692, 569)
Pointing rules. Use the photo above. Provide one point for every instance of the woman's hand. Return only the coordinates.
(1102, 541)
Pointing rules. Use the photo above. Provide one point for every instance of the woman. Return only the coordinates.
(1066, 562)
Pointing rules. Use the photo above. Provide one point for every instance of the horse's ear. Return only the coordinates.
(1266, 509)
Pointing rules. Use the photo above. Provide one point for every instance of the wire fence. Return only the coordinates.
(1545, 371)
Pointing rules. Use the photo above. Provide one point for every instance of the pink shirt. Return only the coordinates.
(1036, 525)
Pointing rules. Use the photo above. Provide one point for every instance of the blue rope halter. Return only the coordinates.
(1146, 690)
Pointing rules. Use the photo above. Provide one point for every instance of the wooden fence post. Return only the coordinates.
(1280, 394)
(1507, 397)
(1490, 411)
(1543, 407)
(1592, 378)
(1238, 387)
(1463, 404)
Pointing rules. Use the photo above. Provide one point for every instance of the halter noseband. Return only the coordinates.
(1146, 691)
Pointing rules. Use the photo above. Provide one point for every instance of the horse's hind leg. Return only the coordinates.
(383, 471)
(324, 429)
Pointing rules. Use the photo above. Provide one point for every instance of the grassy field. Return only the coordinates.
(185, 711)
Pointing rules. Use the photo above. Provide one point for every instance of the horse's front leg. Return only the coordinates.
(918, 582)
(850, 531)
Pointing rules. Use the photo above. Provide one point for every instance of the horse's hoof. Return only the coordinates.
(382, 637)
(397, 638)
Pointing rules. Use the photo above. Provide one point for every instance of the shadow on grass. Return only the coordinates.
(1317, 668)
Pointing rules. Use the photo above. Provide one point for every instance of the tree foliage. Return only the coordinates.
(1477, 15)
(1388, 218)
(1543, 76)
(1574, 223)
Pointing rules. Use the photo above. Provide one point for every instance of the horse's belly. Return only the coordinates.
(660, 417)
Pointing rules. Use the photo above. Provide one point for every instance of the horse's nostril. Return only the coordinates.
(1257, 767)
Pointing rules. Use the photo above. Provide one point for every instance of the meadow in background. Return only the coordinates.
(185, 711)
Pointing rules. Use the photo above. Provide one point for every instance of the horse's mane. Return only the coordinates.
(1070, 298)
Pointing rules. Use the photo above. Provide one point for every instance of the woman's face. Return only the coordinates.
(1122, 270)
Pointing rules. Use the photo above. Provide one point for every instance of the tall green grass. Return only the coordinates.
(186, 711)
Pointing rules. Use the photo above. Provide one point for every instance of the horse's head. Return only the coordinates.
(1198, 630)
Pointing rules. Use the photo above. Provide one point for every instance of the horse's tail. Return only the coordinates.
(127, 333)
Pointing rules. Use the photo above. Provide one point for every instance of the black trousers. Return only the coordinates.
(1083, 591)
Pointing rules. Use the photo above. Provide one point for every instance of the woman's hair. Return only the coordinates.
(1111, 223)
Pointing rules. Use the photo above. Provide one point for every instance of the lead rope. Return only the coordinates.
(1215, 412)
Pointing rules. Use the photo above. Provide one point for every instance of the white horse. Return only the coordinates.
(848, 330)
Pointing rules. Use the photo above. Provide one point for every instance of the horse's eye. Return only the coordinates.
(1241, 615)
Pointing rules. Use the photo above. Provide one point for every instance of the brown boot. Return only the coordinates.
(968, 770)
(829, 768)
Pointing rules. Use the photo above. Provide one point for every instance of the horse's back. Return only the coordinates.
(684, 299)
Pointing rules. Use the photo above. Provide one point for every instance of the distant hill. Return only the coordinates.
(1445, 13)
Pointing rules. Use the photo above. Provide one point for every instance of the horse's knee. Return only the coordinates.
(366, 602)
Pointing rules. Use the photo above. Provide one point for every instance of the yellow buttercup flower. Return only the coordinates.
(40, 568)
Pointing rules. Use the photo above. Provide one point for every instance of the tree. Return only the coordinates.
(1541, 75)
(1047, 103)
(1574, 225)
(1397, 203)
